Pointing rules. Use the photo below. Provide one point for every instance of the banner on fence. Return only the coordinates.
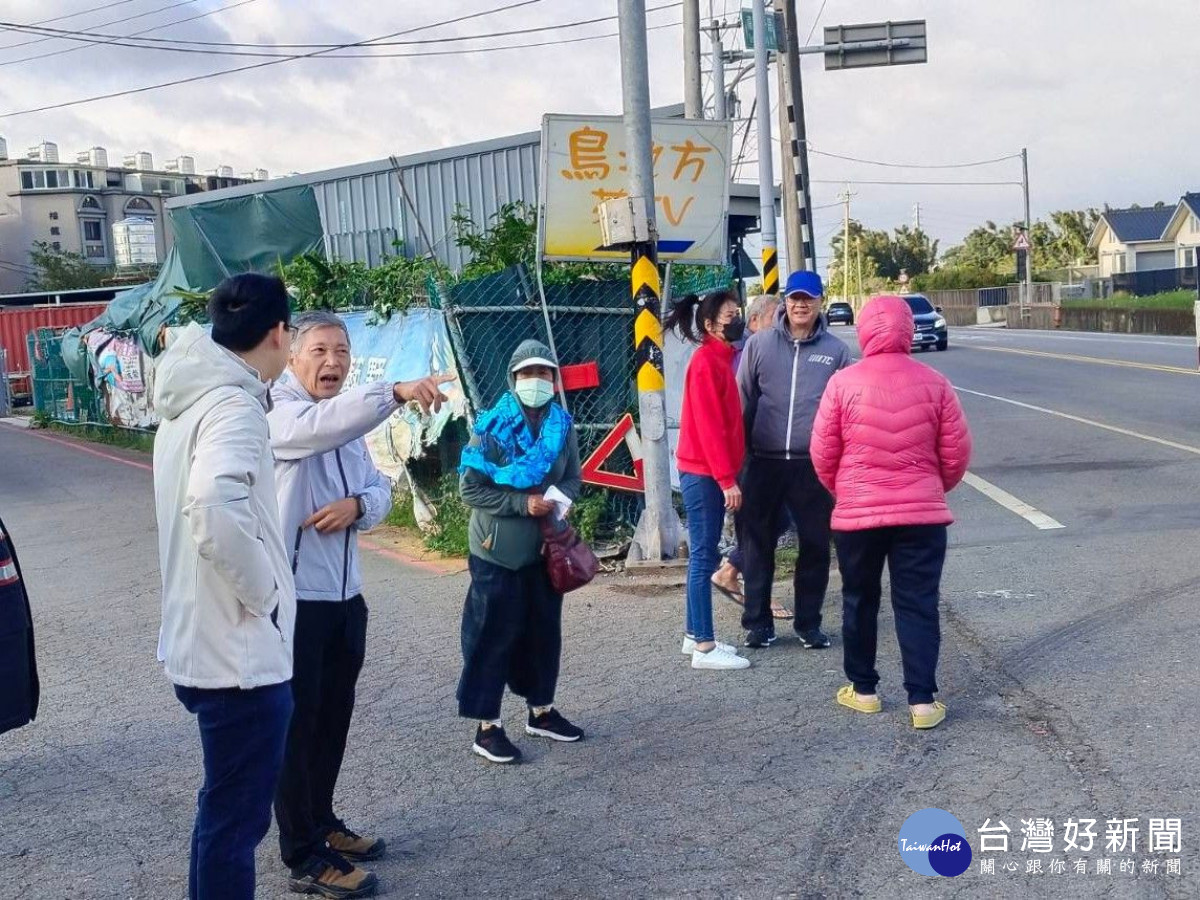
(584, 164)
(404, 348)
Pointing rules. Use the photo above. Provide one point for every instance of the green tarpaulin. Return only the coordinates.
(212, 241)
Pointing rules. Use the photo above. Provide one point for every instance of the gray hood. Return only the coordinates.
(195, 365)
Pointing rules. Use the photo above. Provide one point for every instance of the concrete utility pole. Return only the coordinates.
(1028, 231)
(795, 160)
(766, 173)
(917, 216)
(693, 92)
(657, 534)
(859, 295)
(793, 240)
(720, 112)
(845, 198)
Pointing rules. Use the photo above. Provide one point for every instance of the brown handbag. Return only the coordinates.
(570, 562)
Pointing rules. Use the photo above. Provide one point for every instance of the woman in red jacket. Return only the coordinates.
(889, 441)
(709, 456)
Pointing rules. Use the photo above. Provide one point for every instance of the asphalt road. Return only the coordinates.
(1069, 656)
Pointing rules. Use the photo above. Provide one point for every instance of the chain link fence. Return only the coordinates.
(56, 394)
(589, 323)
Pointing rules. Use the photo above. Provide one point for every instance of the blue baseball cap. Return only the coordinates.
(804, 282)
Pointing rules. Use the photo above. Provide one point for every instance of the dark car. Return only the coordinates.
(930, 325)
(839, 313)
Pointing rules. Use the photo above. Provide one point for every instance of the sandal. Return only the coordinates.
(929, 720)
(779, 611)
(736, 596)
(848, 697)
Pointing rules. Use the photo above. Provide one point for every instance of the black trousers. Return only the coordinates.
(511, 634)
(914, 555)
(330, 642)
(769, 486)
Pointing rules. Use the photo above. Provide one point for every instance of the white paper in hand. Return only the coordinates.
(562, 503)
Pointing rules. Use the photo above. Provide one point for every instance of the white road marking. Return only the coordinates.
(1033, 516)
(1005, 595)
(1163, 442)
(975, 333)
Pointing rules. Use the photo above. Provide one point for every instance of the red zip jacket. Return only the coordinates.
(712, 439)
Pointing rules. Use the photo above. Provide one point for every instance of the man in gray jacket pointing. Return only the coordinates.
(329, 490)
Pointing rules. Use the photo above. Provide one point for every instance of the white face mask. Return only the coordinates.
(534, 392)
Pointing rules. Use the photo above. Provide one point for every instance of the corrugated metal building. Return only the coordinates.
(365, 208)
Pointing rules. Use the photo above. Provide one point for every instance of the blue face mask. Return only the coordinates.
(534, 392)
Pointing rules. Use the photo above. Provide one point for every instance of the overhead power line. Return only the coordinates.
(179, 44)
(895, 165)
(923, 183)
(203, 15)
(271, 62)
(84, 12)
(816, 21)
(43, 40)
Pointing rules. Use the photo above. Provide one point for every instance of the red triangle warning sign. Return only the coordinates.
(592, 472)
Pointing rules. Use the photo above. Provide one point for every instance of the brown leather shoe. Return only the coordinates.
(328, 874)
(355, 847)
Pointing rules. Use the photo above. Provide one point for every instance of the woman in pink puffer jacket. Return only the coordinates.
(889, 441)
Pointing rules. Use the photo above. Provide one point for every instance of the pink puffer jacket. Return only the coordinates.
(890, 438)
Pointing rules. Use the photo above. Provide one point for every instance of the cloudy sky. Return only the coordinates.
(1104, 94)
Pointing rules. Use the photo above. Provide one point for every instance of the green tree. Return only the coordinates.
(62, 270)
(509, 239)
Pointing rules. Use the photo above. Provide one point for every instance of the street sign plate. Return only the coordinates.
(1021, 242)
(875, 44)
(748, 29)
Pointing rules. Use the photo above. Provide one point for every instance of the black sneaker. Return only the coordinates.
(814, 639)
(551, 724)
(760, 638)
(494, 746)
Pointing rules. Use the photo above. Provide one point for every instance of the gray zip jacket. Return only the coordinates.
(320, 457)
(781, 380)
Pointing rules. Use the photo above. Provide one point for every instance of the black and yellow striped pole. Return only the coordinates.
(658, 532)
(647, 323)
(770, 277)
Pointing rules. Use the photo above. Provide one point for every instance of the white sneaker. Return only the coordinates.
(719, 658)
(689, 646)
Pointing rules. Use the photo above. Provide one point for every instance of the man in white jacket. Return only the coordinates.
(228, 599)
(329, 491)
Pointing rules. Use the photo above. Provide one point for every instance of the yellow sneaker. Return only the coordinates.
(846, 696)
(929, 720)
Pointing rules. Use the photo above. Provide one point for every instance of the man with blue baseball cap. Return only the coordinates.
(783, 374)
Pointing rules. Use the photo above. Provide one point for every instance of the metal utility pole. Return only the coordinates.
(1028, 230)
(720, 112)
(795, 161)
(657, 534)
(766, 173)
(693, 93)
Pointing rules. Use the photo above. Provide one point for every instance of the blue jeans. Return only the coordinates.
(705, 504)
(242, 734)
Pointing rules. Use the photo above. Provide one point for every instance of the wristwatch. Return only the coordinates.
(362, 505)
